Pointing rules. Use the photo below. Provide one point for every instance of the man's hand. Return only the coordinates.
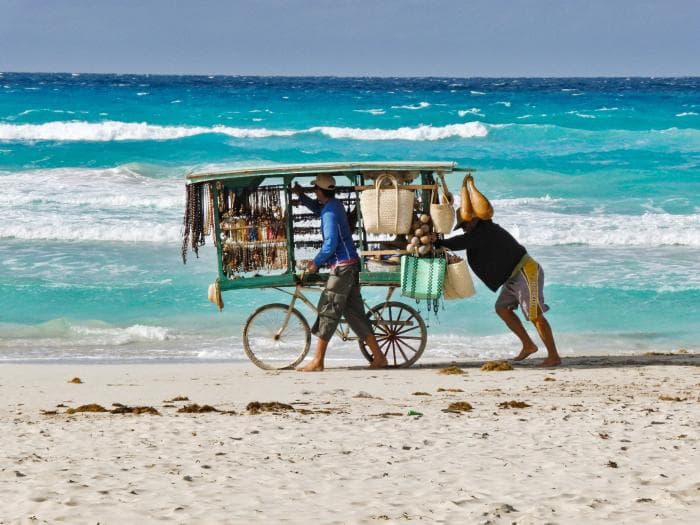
(311, 267)
(297, 189)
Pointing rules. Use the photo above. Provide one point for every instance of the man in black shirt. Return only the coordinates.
(500, 261)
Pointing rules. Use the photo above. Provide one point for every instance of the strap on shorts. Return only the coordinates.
(531, 272)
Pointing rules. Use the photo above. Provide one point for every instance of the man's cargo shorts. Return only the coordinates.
(341, 297)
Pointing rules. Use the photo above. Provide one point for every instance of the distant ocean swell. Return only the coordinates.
(116, 131)
(523, 136)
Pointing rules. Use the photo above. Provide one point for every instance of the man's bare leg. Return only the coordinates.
(516, 326)
(547, 337)
(316, 364)
(378, 359)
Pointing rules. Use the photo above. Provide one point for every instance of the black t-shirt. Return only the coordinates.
(492, 252)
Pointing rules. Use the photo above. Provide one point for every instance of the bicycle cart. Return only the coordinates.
(262, 235)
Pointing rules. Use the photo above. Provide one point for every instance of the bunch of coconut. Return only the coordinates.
(420, 242)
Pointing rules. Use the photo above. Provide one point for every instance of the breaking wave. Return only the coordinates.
(90, 333)
(420, 133)
(109, 131)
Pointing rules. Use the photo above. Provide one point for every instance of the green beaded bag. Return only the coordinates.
(422, 277)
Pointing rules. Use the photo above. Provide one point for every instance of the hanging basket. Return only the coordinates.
(458, 281)
(441, 212)
(422, 277)
(387, 210)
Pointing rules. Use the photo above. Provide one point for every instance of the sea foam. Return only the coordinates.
(114, 131)
(81, 230)
(543, 221)
(95, 332)
(122, 187)
(648, 229)
(109, 131)
(420, 133)
(420, 105)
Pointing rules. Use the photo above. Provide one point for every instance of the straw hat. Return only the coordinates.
(324, 181)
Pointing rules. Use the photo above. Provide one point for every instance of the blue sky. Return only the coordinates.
(353, 37)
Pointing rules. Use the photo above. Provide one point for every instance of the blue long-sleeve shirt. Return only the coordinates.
(338, 245)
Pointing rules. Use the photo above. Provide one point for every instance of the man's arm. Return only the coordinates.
(331, 238)
(460, 242)
(313, 205)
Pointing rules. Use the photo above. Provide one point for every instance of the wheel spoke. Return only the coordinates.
(379, 326)
(393, 350)
(382, 328)
(405, 330)
(405, 359)
(380, 341)
(414, 350)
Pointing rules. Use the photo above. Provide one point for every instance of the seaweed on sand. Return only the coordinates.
(672, 398)
(119, 408)
(92, 407)
(123, 409)
(388, 414)
(513, 404)
(458, 407)
(496, 366)
(194, 408)
(255, 407)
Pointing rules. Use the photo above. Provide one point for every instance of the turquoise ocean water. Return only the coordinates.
(599, 178)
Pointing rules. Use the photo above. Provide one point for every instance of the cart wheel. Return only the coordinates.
(400, 333)
(271, 344)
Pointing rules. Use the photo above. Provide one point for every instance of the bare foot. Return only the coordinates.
(525, 352)
(551, 362)
(378, 363)
(313, 366)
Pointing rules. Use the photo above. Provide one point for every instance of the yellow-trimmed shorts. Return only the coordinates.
(525, 288)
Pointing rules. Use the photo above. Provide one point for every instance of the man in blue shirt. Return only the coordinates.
(341, 296)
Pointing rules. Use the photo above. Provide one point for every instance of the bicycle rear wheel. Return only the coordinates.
(400, 332)
(275, 338)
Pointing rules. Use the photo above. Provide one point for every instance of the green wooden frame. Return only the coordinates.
(357, 173)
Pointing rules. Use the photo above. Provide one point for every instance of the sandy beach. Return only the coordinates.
(599, 439)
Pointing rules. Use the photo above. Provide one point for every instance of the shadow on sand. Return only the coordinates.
(597, 361)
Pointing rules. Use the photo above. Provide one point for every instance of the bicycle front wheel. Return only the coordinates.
(275, 338)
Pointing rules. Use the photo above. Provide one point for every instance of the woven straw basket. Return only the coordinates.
(458, 281)
(443, 215)
(387, 210)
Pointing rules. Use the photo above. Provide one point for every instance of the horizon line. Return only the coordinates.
(231, 75)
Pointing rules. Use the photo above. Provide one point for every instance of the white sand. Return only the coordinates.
(597, 444)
